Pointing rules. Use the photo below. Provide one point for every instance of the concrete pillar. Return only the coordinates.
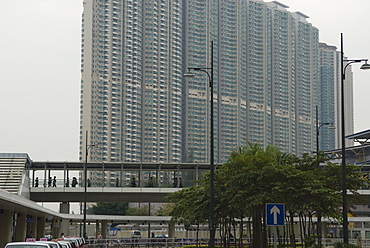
(171, 229)
(40, 228)
(6, 225)
(20, 228)
(97, 228)
(104, 225)
(55, 229)
(33, 226)
(64, 224)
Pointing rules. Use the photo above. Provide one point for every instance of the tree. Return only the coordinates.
(140, 211)
(165, 210)
(191, 206)
(110, 208)
(254, 176)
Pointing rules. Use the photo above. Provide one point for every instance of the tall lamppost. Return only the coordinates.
(87, 147)
(190, 74)
(318, 126)
(365, 66)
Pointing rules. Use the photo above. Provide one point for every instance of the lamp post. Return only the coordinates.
(212, 190)
(365, 66)
(318, 126)
(87, 147)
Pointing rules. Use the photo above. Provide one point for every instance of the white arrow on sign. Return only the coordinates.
(275, 211)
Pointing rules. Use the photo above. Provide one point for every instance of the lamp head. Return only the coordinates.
(365, 66)
(332, 127)
(189, 74)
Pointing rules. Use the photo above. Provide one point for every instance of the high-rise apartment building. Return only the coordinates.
(136, 105)
(131, 88)
(329, 102)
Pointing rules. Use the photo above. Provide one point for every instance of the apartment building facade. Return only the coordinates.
(137, 106)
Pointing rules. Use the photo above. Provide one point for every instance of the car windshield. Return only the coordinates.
(27, 246)
(53, 245)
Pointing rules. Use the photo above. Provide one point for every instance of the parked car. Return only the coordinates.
(161, 235)
(51, 243)
(78, 242)
(27, 245)
(135, 234)
(160, 238)
(66, 244)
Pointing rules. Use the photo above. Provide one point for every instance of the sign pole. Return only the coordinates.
(275, 216)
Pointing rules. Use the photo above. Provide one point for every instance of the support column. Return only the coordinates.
(5, 227)
(20, 228)
(40, 228)
(104, 225)
(64, 208)
(33, 226)
(56, 227)
(171, 229)
(97, 228)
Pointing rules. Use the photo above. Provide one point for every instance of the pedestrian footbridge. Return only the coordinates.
(44, 181)
(100, 194)
(104, 182)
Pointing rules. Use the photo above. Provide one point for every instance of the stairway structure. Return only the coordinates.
(12, 168)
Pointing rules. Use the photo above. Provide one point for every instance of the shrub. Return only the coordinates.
(344, 245)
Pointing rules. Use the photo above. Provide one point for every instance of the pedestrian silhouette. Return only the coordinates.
(175, 182)
(180, 183)
(55, 181)
(133, 182)
(67, 183)
(49, 182)
(36, 182)
(151, 182)
(88, 182)
(117, 182)
(74, 182)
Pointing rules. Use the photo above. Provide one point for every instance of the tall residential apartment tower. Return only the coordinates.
(329, 102)
(132, 80)
(136, 105)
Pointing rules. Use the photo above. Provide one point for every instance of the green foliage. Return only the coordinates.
(344, 245)
(110, 208)
(254, 176)
(317, 246)
(309, 241)
(142, 211)
(192, 204)
(206, 246)
(195, 246)
(165, 210)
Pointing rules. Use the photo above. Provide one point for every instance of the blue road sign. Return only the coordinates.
(275, 214)
(30, 220)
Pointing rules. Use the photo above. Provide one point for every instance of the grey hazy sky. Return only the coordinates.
(40, 69)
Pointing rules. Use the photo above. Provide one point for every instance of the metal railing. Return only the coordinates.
(145, 183)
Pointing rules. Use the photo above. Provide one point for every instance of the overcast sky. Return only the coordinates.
(40, 69)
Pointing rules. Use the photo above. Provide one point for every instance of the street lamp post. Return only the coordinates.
(318, 126)
(87, 147)
(212, 193)
(365, 66)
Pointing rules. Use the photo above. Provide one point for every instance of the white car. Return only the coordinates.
(65, 244)
(51, 243)
(27, 245)
(135, 234)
